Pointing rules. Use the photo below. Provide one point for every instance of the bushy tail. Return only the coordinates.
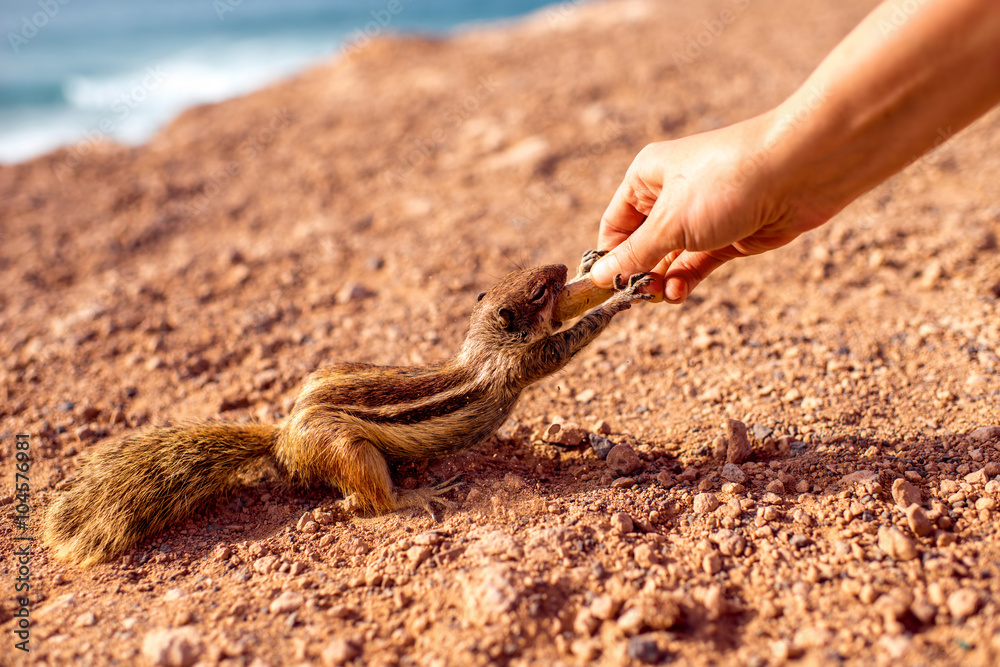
(135, 487)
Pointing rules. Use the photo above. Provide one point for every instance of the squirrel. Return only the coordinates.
(347, 423)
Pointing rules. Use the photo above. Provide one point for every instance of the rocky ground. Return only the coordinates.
(355, 211)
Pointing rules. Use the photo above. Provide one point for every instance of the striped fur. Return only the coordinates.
(347, 423)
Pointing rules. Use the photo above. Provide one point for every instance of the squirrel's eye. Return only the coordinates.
(480, 297)
(538, 293)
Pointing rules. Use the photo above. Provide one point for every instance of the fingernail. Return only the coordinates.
(602, 273)
(675, 290)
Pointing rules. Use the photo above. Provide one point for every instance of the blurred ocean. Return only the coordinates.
(72, 69)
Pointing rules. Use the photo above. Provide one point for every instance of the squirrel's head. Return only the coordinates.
(518, 311)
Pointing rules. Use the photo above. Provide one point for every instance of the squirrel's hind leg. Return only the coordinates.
(359, 469)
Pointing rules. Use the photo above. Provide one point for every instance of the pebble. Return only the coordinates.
(172, 648)
(221, 553)
(622, 523)
(720, 445)
(918, 521)
(905, 493)
(712, 563)
(567, 434)
(988, 504)
(586, 623)
(985, 434)
(353, 292)
(339, 652)
(266, 564)
(490, 593)
(977, 477)
(704, 503)
(623, 483)
(760, 431)
(86, 620)
(739, 444)
(733, 473)
(623, 460)
(645, 648)
(895, 544)
(775, 486)
(964, 603)
(322, 518)
(604, 607)
(602, 446)
(585, 396)
(286, 603)
(601, 427)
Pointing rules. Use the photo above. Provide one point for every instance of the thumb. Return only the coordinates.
(640, 252)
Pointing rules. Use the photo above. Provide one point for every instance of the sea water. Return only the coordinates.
(72, 70)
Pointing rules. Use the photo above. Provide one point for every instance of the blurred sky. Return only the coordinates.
(70, 69)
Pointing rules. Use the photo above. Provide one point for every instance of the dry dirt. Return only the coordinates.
(355, 211)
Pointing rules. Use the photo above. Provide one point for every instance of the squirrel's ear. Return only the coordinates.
(480, 297)
(506, 318)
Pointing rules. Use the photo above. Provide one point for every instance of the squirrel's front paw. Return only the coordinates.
(589, 259)
(628, 291)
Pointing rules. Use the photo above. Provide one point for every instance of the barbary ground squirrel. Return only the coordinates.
(347, 423)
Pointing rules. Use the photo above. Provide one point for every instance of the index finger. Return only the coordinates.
(620, 219)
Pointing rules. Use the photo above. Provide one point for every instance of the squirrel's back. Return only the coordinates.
(135, 487)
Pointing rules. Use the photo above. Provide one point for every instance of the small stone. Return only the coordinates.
(602, 446)
(623, 460)
(918, 520)
(172, 648)
(712, 563)
(428, 538)
(266, 564)
(988, 504)
(645, 648)
(775, 486)
(623, 483)
(286, 603)
(761, 432)
(985, 434)
(923, 610)
(604, 607)
(221, 553)
(622, 523)
(309, 528)
(733, 473)
(585, 396)
(704, 503)
(963, 603)
(339, 652)
(905, 493)
(720, 445)
(322, 518)
(586, 623)
(895, 544)
(566, 434)
(601, 427)
(353, 292)
(802, 486)
(859, 477)
(739, 449)
(645, 556)
(173, 594)
(85, 620)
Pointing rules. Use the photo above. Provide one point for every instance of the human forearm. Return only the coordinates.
(890, 91)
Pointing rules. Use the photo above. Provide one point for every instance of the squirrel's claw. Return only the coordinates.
(589, 259)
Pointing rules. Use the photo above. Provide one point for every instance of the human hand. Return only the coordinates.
(688, 206)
